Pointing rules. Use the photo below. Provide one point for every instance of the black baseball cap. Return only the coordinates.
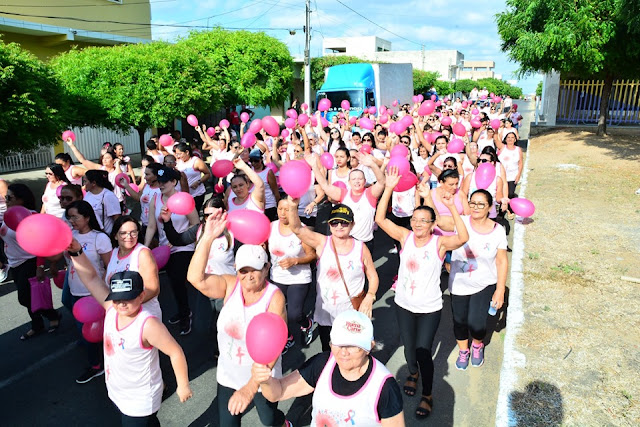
(125, 286)
(341, 212)
(166, 174)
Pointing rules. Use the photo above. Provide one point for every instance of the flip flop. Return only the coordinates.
(410, 385)
(30, 334)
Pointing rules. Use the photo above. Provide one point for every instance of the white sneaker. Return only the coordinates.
(4, 273)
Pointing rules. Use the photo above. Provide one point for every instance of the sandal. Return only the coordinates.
(53, 327)
(410, 384)
(424, 407)
(30, 334)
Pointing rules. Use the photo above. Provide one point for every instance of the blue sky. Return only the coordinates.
(465, 25)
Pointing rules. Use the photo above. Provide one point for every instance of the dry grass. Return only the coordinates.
(582, 323)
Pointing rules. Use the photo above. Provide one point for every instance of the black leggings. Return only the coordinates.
(325, 337)
(268, 412)
(199, 202)
(176, 269)
(295, 296)
(417, 331)
(148, 421)
(21, 275)
(470, 314)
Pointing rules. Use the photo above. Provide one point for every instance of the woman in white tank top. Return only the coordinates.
(342, 168)
(418, 296)
(50, 201)
(245, 199)
(73, 173)
(196, 171)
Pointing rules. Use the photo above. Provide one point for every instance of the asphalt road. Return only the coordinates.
(37, 377)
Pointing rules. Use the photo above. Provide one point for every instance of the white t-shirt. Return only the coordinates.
(105, 205)
(473, 265)
(94, 243)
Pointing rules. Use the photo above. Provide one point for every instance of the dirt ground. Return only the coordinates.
(581, 332)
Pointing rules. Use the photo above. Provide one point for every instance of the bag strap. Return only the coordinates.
(335, 252)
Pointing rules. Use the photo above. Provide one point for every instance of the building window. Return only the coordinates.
(116, 1)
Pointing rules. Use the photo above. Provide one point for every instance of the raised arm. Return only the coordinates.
(311, 238)
(369, 160)
(86, 163)
(393, 230)
(257, 194)
(332, 192)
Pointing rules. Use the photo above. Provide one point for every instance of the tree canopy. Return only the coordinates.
(32, 111)
(583, 38)
(424, 80)
(496, 86)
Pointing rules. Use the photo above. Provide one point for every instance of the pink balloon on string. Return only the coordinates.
(181, 203)
(192, 120)
(255, 126)
(248, 140)
(224, 123)
(303, 119)
(244, 117)
(484, 175)
(271, 126)
(165, 140)
(211, 131)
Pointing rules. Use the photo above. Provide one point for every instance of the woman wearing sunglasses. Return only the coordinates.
(496, 187)
(343, 265)
(50, 201)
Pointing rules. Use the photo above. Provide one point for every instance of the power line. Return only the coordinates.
(378, 25)
(262, 14)
(319, 20)
(89, 5)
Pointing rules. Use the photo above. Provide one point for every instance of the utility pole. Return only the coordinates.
(307, 59)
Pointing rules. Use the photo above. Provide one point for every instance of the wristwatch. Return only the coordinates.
(76, 253)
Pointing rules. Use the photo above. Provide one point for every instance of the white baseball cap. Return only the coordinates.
(252, 256)
(352, 328)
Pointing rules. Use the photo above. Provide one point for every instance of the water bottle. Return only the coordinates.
(492, 309)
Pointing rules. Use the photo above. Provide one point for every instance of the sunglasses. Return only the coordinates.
(338, 222)
(366, 139)
(483, 160)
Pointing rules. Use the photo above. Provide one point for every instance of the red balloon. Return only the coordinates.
(222, 168)
(399, 150)
(14, 215)
(522, 207)
(295, 178)
(161, 254)
(249, 227)
(181, 203)
(218, 188)
(407, 181)
(87, 310)
(271, 126)
(485, 174)
(266, 337)
(459, 129)
(166, 140)
(43, 235)
(120, 176)
(94, 331)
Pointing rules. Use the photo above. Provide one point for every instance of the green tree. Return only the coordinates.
(539, 89)
(138, 86)
(583, 38)
(252, 68)
(465, 86)
(32, 110)
(424, 80)
(318, 65)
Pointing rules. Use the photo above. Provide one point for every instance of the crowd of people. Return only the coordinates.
(446, 226)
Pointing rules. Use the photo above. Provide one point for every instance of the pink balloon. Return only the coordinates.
(427, 108)
(498, 100)
(420, 97)
(365, 111)
(192, 120)
(93, 331)
(161, 254)
(475, 111)
(484, 176)
(14, 216)
(446, 121)
(483, 96)
(290, 123)
(495, 124)
(248, 139)
(224, 123)
(284, 133)
(43, 235)
(396, 127)
(345, 104)
(266, 337)
(475, 123)
(406, 182)
(244, 117)
(166, 140)
(438, 103)
(327, 160)
(255, 126)
(218, 188)
(459, 129)
(134, 187)
(464, 104)
(58, 279)
(366, 123)
(395, 103)
(383, 109)
(68, 134)
(415, 98)
(222, 168)
(399, 150)
(406, 121)
(181, 203)
(314, 121)
(427, 170)
(340, 184)
(366, 148)
(120, 176)
(324, 104)
(353, 120)
(59, 190)
(303, 119)
(273, 167)
(522, 207)
(433, 97)
(211, 131)
(455, 146)
(87, 310)
(372, 110)
(401, 163)
(295, 178)
(341, 115)
(304, 107)
(292, 113)
(324, 122)
(492, 94)
(384, 119)
(271, 126)
(249, 227)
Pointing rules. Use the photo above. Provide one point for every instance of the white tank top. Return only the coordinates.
(16, 256)
(403, 202)
(332, 298)
(269, 198)
(418, 287)
(234, 363)
(51, 202)
(159, 158)
(221, 259)
(485, 142)
(281, 247)
(491, 189)
(248, 204)
(145, 202)
(359, 409)
(180, 224)
(192, 174)
(132, 371)
(363, 215)
(509, 159)
(467, 167)
(70, 177)
(335, 178)
(112, 179)
(131, 263)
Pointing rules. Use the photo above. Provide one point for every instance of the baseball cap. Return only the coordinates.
(342, 212)
(166, 174)
(125, 286)
(352, 328)
(250, 256)
(255, 154)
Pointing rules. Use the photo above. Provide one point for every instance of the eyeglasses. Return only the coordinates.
(124, 234)
(405, 141)
(74, 218)
(335, 131)
(366, 139)
(67, 198)
(483, 160)
(479, 205)
(420, 221)
(338, 222)
(48, 173)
